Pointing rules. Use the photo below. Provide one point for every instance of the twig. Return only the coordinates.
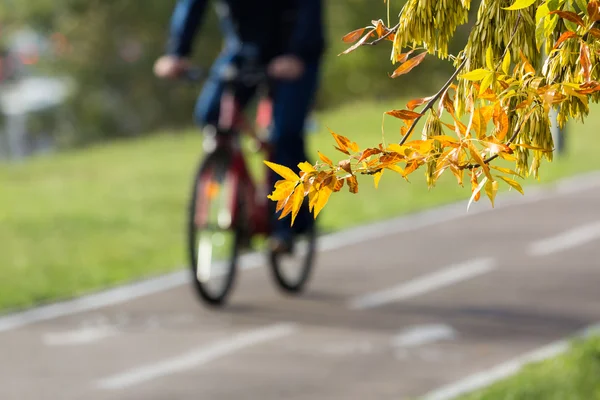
(492, 158)
(431, 102)
(388, 33)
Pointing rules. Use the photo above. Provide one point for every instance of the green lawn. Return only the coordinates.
(574, 376)
(87, 219)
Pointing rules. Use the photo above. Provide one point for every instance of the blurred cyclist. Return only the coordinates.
(283, 36)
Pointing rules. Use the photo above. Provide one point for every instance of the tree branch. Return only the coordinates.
(431, 102)
(388, 33)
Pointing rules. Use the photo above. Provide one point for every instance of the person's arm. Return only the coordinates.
(307, 36)
(184, 24)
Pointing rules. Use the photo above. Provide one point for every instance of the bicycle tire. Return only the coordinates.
(217, 163)
(295, 286)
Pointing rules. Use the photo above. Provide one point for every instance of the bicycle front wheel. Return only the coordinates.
(292, 271)
(214, 240)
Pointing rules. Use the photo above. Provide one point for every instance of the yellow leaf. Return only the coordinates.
(489, 58)
(377, 178)
(322, 198)
(283, 189)
(306, 167)
(512, 183)
(505, 170)
(491, 188)
(283, 171)
(475, 75)
(486, 82)
(519, 5)
(506, 63)
(476, 190)
(296, 202)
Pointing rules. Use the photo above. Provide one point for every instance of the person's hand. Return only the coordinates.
(286, 67)
(170, 66)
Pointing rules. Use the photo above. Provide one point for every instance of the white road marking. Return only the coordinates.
(505, 370)
(427, 283)
(80, 336)
(196, 357)
(423, 334)
(567, 240)
(329, 242)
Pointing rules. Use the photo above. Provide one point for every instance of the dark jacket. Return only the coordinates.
(274, 27)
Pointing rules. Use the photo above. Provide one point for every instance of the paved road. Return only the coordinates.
(385, 318)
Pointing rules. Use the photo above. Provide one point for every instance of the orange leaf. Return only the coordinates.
(409, 65)
(345, 165)
(367, 153)
(325, 159)
(500, 121)
(477, 157)
(404, 114)
(593, 9)
(403, 57)
(338, 185)
(411, 105)
(565, 36)
(353, 36)
(595, 32)
(528, 67)
(358, 44)
(571, 16)
(352, 184)
(479, 124)
(584, 59)
(344, 143)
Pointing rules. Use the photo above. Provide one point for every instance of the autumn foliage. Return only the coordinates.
(522, 58)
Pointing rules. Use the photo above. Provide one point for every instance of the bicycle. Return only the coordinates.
(229, 207)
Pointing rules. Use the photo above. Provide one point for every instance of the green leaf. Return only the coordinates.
(475, 75)
(520, 4)
(541, 12)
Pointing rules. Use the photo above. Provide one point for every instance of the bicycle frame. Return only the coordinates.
(232, 124)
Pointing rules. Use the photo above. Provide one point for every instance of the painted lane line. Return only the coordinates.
(427, 283)
(79, 336)
(423, 334)
(567, 240)
(195, 358)
(483, 379)
(328, 242)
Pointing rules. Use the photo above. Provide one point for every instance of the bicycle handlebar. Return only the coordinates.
(231, 74)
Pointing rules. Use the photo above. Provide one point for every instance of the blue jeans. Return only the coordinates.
(292, 101)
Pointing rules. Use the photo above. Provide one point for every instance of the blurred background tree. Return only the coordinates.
(107, 48)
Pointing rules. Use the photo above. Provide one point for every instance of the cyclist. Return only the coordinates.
(286, 38)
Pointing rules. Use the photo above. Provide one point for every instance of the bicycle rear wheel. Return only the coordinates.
(292, 271)
(212, 233)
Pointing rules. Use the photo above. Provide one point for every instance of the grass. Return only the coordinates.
(573, 375)
(81, 220)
